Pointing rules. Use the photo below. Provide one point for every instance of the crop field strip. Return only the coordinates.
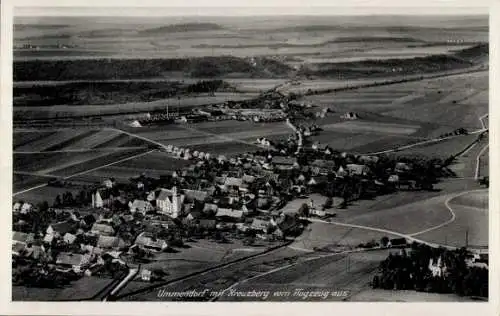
(24, 138)
(50, 140)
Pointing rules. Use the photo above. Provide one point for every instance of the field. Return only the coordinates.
(69, 111)
(83, 288)
(338, 272)
(453, 101)
(199, 255)
(441, 149)
(153, 164)
(470, 226)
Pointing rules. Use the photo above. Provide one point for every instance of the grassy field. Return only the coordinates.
(47, 162)
(153, 164)
(470, 226)
(83, 288)
(68, 111)
(441, 149)
(23, 181)
(409, 218)
(331, 236)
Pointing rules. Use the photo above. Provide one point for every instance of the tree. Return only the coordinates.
(57, 201)
(384, 241)
(304, 210)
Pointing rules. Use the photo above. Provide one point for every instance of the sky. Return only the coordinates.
(253, 8)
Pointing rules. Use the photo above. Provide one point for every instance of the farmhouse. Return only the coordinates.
(22, 207)
(229, 214)
(111, 243)
(67, 261)
(323, 167)
(359, 170)
(195, 195)
(102, 229)
(61, 228)
(140, 206)
(147, 241)
(234, 184)
(262, 225)
(284, 163)
(21, 240)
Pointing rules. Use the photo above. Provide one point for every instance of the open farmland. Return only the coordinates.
(153, 164)
(45, 193)
(338, 272)
(84, 288)
(48, 141)
(25, 181)
(452, 101)
(97, 162)
(325, 235)
(21, 138)
(409, 219)
(470, 226)
(440, 149)
(70, 111)
(44, 163)
(223, 278)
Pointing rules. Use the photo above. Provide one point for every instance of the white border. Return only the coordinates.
(150, 308)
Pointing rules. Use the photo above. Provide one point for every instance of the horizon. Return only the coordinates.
(156, 12)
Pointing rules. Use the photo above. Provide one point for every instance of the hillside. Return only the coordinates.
(202, 67)
(377, 68)
(186, 27)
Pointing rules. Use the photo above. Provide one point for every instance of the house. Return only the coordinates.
(349, 116)
(317, 212)
(146, 275)
(229, 214)
(146, 240)
(207, 223)
(402, 167)
(437, 268)
(140, 206)
(195, 195)
(169, 202)
(22, 207)
(209, 208)
(108, 183)
(234, 184)
(102, 229)
(110, 242)
(356, 169)
(69, 238)
(262, 225)
(319, 180)
(34, 252)
(61, 228)
(21, 241)
(284, 163)
(67, 261)
(322, 167)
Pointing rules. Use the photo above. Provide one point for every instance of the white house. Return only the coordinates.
(140, 206)
(438, 268)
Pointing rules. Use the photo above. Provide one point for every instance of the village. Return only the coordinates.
(111, 226)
